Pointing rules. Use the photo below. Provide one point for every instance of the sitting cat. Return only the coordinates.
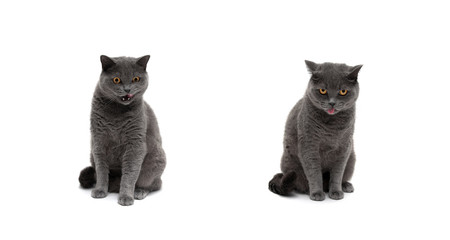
(318, 143)
(126, 152)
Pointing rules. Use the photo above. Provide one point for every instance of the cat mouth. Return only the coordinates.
(126, 98)
(331, 110)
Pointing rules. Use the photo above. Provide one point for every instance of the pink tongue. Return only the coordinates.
(331, 111)
(129, 95)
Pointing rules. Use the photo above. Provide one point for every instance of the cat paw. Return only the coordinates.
(336, 195)
(125, 200)
(347, 187)
(317, 196)
(140, 194)
(98, 193)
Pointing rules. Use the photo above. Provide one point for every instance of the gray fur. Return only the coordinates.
(318, 143)
(126, 150)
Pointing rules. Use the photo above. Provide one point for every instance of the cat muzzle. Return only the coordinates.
(127, 97)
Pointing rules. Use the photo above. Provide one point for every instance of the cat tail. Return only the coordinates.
(87, 177)
(283, 184)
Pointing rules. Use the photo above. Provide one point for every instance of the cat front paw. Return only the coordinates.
(317, 196)
(347, 187)
(126, 200)
(98, 193)
(336, 195)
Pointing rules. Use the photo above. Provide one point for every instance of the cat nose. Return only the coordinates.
(332, 104)
(127, 90)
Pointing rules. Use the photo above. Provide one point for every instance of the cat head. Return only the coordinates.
(123, 79)
(333, 87)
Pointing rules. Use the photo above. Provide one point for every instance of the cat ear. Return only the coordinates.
(311, 66)
(353, 75)
(143, 61)
(106, 62)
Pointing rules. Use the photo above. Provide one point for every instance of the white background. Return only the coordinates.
(223, 78)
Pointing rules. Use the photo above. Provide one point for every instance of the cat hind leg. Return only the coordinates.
(346, 186)
(140, 192)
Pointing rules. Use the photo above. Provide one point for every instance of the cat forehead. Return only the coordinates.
(124, 64)
(333, 74)
(333, 84)
(333, 68)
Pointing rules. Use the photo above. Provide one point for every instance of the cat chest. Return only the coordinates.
(120, 136)
(116, 141)
(330, 149)
(114, 136)
(117, 128)
(334, 150)
(333, 143)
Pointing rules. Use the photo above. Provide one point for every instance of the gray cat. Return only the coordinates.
(318, 143)
(126, 152)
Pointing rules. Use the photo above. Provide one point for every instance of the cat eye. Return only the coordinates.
(136, 79)
(343, 92)
(323, 91)
(116, 80)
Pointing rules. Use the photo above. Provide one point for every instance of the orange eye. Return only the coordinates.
(116, 80)
(136, 79)
(323, 91)
(343, 92)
